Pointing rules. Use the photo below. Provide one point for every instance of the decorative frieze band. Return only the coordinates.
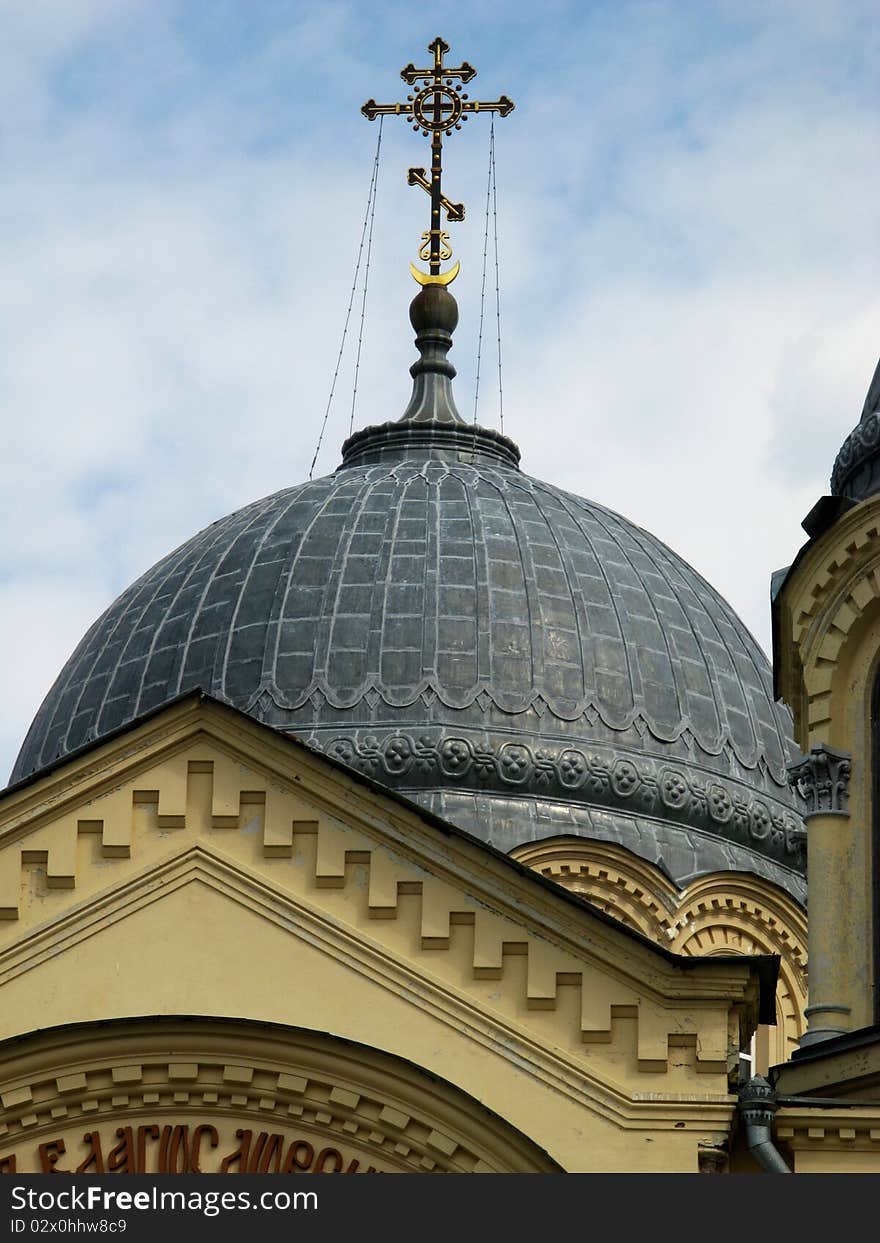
(373, 701)
(862, 442)
(667, 791)
(822, 778)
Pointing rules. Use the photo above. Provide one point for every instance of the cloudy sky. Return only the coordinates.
(688, 232)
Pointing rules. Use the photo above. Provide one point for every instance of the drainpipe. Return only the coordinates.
(757, 1106)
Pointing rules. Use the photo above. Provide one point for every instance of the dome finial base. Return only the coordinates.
(433, 314)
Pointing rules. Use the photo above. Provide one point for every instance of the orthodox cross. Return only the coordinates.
(438, 108)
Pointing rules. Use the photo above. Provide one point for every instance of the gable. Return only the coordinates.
(211, 867)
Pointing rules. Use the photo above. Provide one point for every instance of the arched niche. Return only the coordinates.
(614, 879)
(721, 913)
(178, 1094)
(729, 913)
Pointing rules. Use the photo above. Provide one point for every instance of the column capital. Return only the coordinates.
(822, 778)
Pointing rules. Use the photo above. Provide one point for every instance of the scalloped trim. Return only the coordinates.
(268, 694)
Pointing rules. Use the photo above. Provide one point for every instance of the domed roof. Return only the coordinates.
(523, 661)
(856, 471)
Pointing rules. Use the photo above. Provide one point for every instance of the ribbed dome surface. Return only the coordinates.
(524, 661)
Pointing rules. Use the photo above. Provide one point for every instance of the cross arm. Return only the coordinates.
(371, 109)
(454, 211)
(502, 105)
(464, 72)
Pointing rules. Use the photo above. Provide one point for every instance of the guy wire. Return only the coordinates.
(357, 361)
(497, 289)
(483, 285)
(370, 207)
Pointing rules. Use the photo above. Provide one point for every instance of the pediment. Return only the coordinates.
(204, 864)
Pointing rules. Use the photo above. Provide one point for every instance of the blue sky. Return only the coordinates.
(689, 258)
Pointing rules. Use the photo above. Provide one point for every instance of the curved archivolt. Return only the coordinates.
(722, 913)
(725, 913)
(612, 878)
(237, 1096)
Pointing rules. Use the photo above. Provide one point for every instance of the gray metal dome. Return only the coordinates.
(856, 471)
(524, 662)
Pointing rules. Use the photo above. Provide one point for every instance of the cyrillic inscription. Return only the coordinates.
(183, 1148)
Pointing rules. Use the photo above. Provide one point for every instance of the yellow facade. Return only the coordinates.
(220, 946)
(830, 650)
(828, 629)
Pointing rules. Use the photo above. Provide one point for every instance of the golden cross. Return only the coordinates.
(438, 108)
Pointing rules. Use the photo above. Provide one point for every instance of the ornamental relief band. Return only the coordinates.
(864, 438)
(183, 1148)
(611, 780)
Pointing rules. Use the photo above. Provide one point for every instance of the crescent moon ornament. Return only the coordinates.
(437, 106)
(442, 278)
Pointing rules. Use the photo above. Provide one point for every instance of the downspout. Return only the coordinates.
(757, 1106)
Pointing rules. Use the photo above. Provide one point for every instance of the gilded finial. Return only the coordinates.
(437, 108)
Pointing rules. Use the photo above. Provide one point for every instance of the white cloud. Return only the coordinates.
(688, 283)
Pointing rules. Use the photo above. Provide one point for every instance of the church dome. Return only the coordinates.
(522, 661)
(856, 471)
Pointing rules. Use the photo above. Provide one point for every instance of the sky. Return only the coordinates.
(688, 270)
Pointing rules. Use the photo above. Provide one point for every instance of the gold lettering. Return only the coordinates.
(205, 1128)
(94, 1161)
(240, 1155)
(121, 1159)
(300, 1156)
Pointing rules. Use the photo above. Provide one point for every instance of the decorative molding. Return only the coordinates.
(465, 444)
(826, 600)
(822, 778)
(614, 879)
(728, 926)
(666, 791)
(861, 444)
(268, 701)
(456, 889)
(495, 1029)
(757, 911)
(716, 914)
(850, 1128)
(837, 583)
(284, 1082)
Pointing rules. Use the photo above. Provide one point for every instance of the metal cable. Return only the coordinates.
(357, 361)
(367, 217)
(497, 289)
(483, 285)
